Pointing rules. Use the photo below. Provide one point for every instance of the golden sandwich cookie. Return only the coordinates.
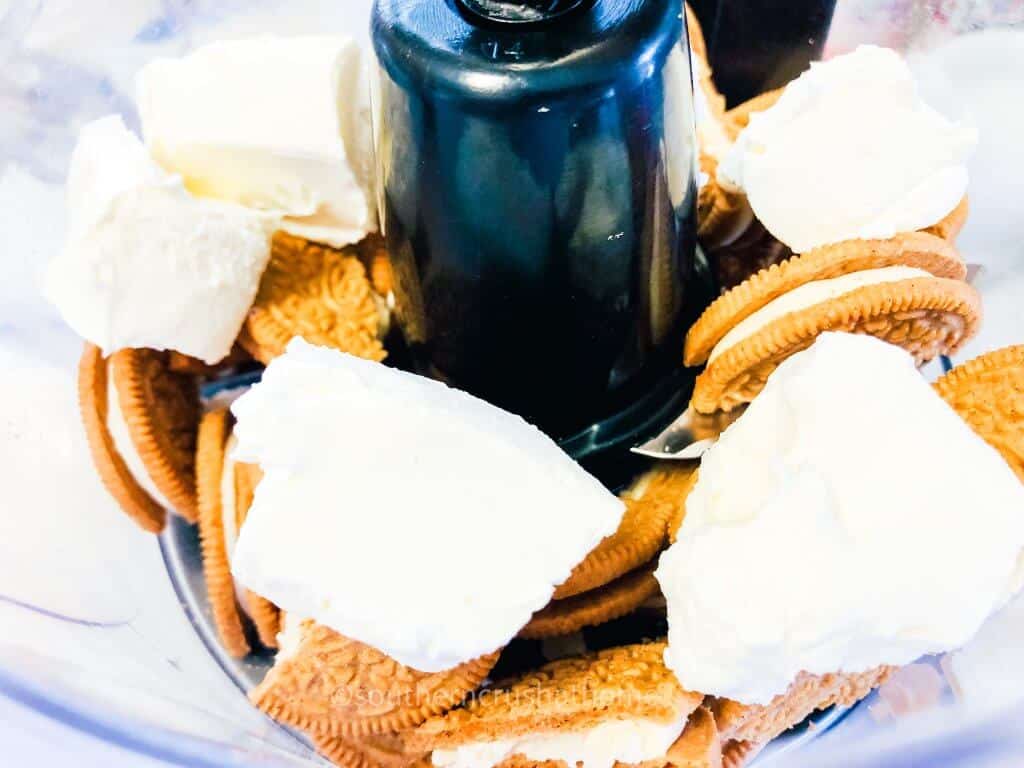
(329, 685)
(373, 253)
(566, 696)
(737, 754)
(591, 609)
(317, 293)
(225, 493)
(616, 578)
(890, 291)
(375, 751)
(741, 246)
(670, 482)
(723, 213)
(988, 392)
(919, 250)
(265, 616)
(650, 502)
(140, 420)
(951, 226)
(700, 745)
(679, 515)
(743, 724)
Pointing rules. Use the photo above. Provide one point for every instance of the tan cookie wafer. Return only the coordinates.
(698, 43)
(640, 536)
(951, 226)
(373, 252)
(691, 472)
(927, 316)
(378, 751)
(738, 117)
(265, 616)
(334, 686)
(918, 249)
(566, 695)
(117, 478)
(700, 745)
(737, 754)
(161, 410)
(590, 609)
(723, 213)
(318, 293)
(988, 392)
(759, 724)
(214, 431)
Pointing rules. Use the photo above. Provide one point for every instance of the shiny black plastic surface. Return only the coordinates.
(538, 199)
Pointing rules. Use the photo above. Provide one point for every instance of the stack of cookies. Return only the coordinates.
(817, 222)
(584, 670)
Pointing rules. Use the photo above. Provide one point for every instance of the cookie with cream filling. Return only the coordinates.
(907, 290)
(140, 420)
(616, 706)
(225, 490)
(988, 392)
(330, 685)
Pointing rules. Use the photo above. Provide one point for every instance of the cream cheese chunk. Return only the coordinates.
(629, 741)
(850, 150)
(146, 264)
(404, 514)
(281, 124)
(850, 518)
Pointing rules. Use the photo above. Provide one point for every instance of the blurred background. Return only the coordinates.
(98, 661)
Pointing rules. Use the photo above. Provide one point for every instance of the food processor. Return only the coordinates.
(108, 632)
(538, 197)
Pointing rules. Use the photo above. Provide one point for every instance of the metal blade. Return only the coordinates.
(689, 437)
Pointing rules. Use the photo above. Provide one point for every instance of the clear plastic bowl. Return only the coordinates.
(95, 634)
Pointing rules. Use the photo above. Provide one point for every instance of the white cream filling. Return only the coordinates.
(118, 428)
(290, 637)
(809, 295)
(615, 741)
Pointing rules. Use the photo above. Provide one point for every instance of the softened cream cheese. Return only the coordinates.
(145, 263)
(848, 519)
(850, 150)
(281, 124)
(405, 514)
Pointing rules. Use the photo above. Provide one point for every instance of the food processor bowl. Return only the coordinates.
(104, 634)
